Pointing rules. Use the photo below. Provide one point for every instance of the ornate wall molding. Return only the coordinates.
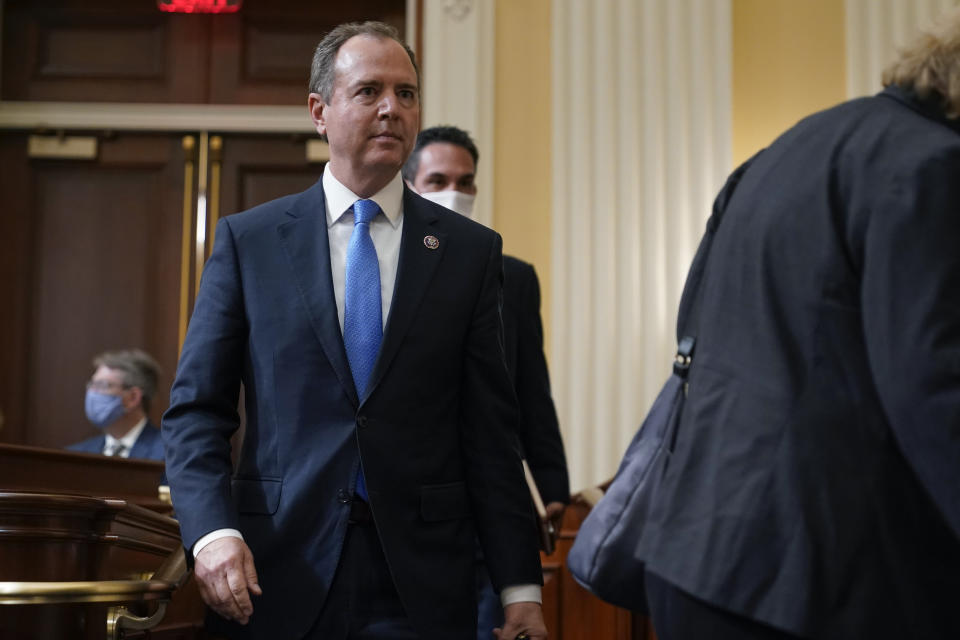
(458, 79)
(457, 10)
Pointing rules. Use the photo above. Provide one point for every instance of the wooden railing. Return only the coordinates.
(77, 564)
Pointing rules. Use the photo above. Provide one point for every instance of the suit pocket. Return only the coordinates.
(444, 501)
(257, 495)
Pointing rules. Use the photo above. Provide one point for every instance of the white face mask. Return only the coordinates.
(457, 201)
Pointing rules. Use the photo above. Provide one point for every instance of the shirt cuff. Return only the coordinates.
(214, 535)
(521, 593)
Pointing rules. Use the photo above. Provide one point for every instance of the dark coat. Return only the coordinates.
(815, 484)
(523, 341)
(436, 430)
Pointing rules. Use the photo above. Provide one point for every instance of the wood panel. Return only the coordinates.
(103, 51)
(130, 51)
(260, 168)
(16, 229)
(97, 268)
(262, 54)
(571, 612)
(37, 469)
(57, 523)
(69, 538)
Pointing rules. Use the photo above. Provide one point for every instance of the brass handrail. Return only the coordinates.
(174, 572)
(119, 618)
(84, 591)
(171, 575)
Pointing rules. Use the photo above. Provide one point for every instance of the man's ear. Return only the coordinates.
(317, 108)
(132, 398)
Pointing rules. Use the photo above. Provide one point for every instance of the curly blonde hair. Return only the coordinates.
(930, 65)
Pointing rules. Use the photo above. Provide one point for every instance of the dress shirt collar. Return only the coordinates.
(340, 198)
(128, 440)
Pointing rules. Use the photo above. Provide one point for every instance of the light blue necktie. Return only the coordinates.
(362, 315)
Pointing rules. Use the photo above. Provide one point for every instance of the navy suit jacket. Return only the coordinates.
(148, 445)
(435, 431)
(815, 482)
(523, 338)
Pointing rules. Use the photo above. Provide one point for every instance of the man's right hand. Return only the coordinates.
(226, 576)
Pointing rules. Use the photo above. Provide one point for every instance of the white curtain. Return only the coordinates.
(874, 30)
(641, 144)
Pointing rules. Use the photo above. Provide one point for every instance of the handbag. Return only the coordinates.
(603, 558)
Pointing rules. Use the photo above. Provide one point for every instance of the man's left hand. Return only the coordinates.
(522, 617)
(555, 514)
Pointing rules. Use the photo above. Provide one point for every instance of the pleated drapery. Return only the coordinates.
(874, 31)
(641, 144)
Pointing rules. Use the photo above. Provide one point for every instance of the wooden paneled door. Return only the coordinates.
(258, 168)
(130, 51)
(103, 254)
(90, 263)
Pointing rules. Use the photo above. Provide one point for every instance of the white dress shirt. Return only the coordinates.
(385, 231)
(110, 443)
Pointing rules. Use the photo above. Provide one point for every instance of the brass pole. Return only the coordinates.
(200, 247)
(189, 146)
(216, 163)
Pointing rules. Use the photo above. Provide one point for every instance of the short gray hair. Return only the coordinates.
(930, 65)
(322, 74)
(139, 370)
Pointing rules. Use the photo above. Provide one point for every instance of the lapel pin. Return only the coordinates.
(431, 242)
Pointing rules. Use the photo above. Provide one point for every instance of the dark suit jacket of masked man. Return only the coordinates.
(149, 444)
(435, 431)
(540, 437)
(815, 485)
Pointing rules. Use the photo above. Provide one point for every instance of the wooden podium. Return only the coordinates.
(570, 611)
(88, 550)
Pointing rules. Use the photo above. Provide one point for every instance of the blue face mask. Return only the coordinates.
(103, 409)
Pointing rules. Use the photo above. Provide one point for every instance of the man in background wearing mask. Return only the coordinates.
(117, 403)
(442, 168)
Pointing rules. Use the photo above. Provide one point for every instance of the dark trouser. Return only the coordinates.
(489, 608)
(363, 603)
(679, 616)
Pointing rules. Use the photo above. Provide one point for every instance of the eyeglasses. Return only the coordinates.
(105, 385)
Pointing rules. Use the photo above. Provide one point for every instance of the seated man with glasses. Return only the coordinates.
(118, 403)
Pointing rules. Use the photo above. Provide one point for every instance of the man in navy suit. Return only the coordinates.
(814, 487)
(442, 168)
(380, 438)
(118, 403)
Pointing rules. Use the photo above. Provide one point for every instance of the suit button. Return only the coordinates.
(343, 496)
(362, 421)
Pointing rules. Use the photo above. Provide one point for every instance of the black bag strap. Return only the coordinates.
(688, 316)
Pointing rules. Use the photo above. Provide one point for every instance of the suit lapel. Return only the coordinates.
(142, 444)
(415, 270)
(304, 239)
(146, 443)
